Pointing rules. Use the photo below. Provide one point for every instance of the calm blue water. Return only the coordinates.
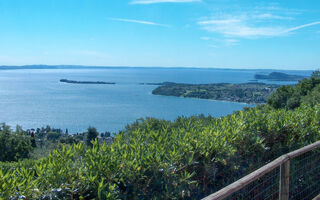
(35, 97)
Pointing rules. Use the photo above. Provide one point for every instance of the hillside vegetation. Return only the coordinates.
(188, 158)
(292, 96)
(244, 92)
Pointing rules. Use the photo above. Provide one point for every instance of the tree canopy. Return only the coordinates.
(91, 135)
(14, 145)
(292, 96)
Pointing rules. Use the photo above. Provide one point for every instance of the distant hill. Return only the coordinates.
(279, 76)
(245, 92)
(6, 67)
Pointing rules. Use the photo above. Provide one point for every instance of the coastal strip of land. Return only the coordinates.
(85, 82)
(250, 93)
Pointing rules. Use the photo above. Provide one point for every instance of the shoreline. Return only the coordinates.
(244, 93)
(226, 101)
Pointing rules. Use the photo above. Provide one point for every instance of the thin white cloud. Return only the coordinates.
(138, 22)
(238, 28)
(302, 26)
(266, 21)
(162, 1)
(271, 7)
(272, 16)
(224, 42)
(231, 42)
(242, 27)
(220, 22)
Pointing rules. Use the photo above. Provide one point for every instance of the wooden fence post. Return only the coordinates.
(284, 180)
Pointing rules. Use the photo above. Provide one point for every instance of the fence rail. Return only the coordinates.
(284, 183)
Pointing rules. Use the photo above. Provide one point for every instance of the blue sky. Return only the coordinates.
(170, 33)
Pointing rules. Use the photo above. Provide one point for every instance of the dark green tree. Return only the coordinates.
(91, 135)
(14, 145)
(33, 141)
(48, 129)
(280, 97)
(107, 134)
(53, 136)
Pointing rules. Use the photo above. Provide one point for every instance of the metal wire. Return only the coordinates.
(264, 188)
(305, 176)
(304, 181)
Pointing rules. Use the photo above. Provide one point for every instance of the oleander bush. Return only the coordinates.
(188, 158)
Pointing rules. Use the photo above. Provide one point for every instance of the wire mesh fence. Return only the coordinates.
(264, 188)
(303, 176)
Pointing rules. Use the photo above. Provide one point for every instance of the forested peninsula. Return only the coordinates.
(256, 93)
(85, 82)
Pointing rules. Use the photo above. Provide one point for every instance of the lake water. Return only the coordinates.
(34, 97)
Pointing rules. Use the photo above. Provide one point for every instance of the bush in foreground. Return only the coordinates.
(156, 159)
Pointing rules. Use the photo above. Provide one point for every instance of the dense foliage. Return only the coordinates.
(188, 158)
(245, 92)
(14, 145)
(91, 135)
(291, 96)
(36, 143)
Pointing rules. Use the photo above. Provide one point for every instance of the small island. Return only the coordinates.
(84, 82)
(251, 93)
(278, 76)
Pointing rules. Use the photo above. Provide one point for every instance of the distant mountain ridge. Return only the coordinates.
(8, 67)
(62, 66)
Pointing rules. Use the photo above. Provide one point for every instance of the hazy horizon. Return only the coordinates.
(165, 67)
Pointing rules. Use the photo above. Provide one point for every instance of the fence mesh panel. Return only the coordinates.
(305, 176)
(304, 181)
(264, 188)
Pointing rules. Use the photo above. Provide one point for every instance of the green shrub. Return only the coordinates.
(14, 145)
(157, 159)
(306, 91)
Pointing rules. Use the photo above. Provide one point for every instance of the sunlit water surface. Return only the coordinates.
(34, 97)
